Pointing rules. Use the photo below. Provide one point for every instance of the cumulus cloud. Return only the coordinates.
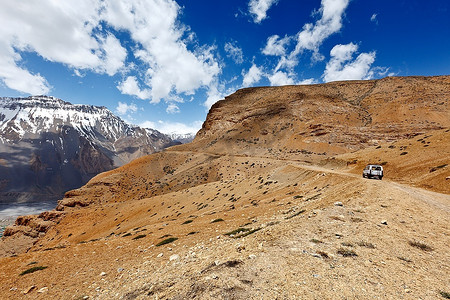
(130, 87)
(172, 108)
(310, 38)
(258, 9)
(330, 22)
(253, 75)
(276, 46)
(214, 94)
(82, 35)
(169, 127)
(342, 66)
(171, 67)
(373, 18)
(67, 34)
(235, 52)
(281, 78)
(124, 108)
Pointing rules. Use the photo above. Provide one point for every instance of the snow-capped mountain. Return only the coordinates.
(48, 146)
(182, 137)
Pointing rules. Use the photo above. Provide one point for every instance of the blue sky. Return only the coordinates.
(163, 63)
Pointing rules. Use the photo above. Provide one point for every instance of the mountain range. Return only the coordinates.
(49, 146)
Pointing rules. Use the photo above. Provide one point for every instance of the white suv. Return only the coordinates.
(371, 171)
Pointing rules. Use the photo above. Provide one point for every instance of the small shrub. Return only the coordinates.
(323, 254)
(139, 236)
(346, 244)
(445, 294)
(366, 244)
(217, 220)
(241, 232)
(420, 245)
(316, 241)
(437, 168)
(346, 252)
(296, 214)
(33, 269)
(125, 235)
(237, 231)
(249, 232)
(356, 219)
(192, 232)
(313, 197)
(187, 222)
(167, 241)
(404, 259)
(404, 153)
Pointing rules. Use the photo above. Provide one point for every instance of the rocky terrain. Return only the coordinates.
(267, 202)
(49, 146)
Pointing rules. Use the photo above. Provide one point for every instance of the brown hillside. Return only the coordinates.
(268, 202)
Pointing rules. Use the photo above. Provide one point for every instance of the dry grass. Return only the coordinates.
(420, 245)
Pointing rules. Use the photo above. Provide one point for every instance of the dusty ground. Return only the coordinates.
(267, 203)
(293, 254)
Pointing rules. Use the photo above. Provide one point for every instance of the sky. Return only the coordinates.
(162, 63)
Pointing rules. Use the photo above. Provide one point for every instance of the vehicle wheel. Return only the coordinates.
(380, 177)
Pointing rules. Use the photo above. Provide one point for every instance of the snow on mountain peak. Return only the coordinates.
(36, 114)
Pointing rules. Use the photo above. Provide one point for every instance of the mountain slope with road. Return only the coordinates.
(267, 202)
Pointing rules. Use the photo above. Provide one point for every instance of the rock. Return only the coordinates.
(102, 274)
(160, 255)
(339, 203)
(252, 256)
(119, 270)
(43, 290)
(174, 257)
(384, 222)
(29, 289)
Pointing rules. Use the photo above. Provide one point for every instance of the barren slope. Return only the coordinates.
(250, 222)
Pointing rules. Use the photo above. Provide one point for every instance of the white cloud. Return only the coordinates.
(281, 78)
(124, 108)
(259, 8)
(171, 67)
(78, 34)
(308, 81)
(309, 38)
(130, 87)
(17, 78)
(58, 31)
(373, 18)
(342, 66)
(169, 127)
(276, 46)
(313, 35)
(253, 75)
(213, 95)
(235, 52)
(172, 108)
